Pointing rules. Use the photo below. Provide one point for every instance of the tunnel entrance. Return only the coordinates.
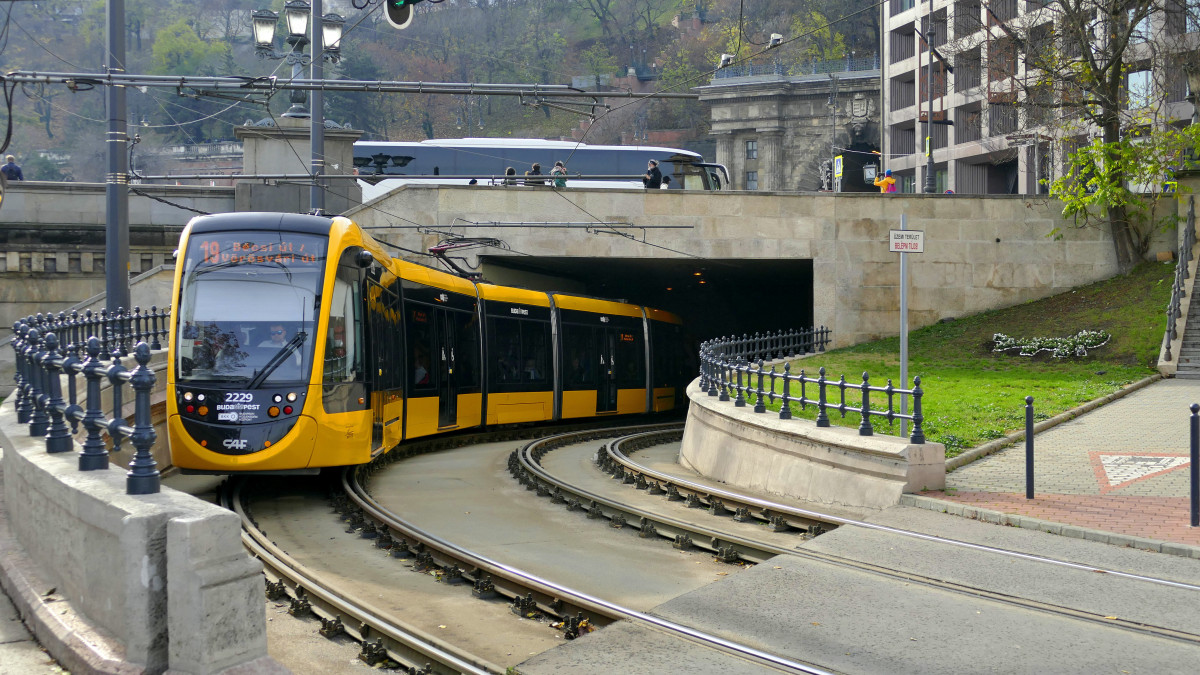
(715, 297)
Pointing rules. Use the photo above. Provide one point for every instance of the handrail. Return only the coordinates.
(1174, 311)
(42, 358)
(725, 361)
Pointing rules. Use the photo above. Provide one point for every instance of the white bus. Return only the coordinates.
(383, 166)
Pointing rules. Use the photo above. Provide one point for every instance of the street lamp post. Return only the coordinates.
(930, 182)
(1193, 81)
(299, 15)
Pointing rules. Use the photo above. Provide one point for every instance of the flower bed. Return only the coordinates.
(1059, 347)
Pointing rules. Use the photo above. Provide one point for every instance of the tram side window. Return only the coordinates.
(344, 341)
(466, 352)
(630, 360)
(420, 348)
(579, 357)
(521, 351)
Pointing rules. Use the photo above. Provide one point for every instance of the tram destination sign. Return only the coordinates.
(906, 241)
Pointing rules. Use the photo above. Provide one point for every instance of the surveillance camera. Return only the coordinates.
(776, 40)
(726, 59)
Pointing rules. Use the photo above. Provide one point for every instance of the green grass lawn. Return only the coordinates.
(973, 394)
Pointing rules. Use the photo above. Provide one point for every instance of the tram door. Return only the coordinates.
(386, 376)
(447, 337)
(606, 391)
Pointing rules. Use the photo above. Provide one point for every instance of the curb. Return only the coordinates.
(1028, 523)
(1001, 443)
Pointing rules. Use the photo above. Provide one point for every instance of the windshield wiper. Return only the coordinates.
(278, 359)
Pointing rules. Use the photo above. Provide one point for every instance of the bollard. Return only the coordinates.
(822, 418)
(143, 475)
(1195, 467)
(760, 406)
(918, 432)
(1028, 447)
(39, 421)
(864, 426)
(58, 434)
(95, 452)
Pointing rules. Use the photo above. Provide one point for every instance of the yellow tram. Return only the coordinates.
(297, 342)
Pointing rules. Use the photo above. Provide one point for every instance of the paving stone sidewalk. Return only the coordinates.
(1124, 468)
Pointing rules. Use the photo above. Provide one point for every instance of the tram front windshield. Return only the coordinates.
(248, 307)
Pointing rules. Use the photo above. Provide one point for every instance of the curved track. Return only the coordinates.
(614, 458)
(768, 528)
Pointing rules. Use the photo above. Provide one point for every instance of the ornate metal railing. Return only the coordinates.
(813, 67)
(48, 347)
(1186, 244)
(733, 369)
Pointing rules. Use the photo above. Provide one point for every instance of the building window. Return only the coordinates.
(908, 184)
(1141, 86)
(1141, 31)
(751, 180)
(751, 149)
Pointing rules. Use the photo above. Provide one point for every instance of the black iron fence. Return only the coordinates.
(732, 369)
(48, 347)
(1184, 256)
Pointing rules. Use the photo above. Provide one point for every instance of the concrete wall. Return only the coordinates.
(52, 242)
(980, 253)
(150, 583)
(796, 459)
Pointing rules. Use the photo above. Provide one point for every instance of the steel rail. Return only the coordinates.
(561, 597)
(700, 488)
(620, 458)
(403, 643)
(525, 466)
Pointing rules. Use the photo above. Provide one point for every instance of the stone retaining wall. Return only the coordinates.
(152, 583)
(796, 459)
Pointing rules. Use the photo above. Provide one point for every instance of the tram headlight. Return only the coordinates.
(199, 397)
(277, 398)
(187, 395)
(291, 397)
(273, 411)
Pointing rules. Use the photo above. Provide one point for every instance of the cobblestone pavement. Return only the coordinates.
(1123, 467)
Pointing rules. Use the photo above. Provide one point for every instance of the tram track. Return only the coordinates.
(613, 458)
(576, 612)
(382, 637)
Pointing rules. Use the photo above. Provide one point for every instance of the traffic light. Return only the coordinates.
(399, 12)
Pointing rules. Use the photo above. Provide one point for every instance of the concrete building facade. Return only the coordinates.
(777, 131)
(986, 138)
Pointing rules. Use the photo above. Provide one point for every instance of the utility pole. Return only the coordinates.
(930, 182)
(116, 181)
(316, 194)
(833, 90)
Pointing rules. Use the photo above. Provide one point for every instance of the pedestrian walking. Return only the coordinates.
(653, 177)
(666, 184)
(560, 174)
(886, 183)
(531, 176)
(10, 170)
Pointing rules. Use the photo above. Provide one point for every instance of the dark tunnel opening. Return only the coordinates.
(714, 297)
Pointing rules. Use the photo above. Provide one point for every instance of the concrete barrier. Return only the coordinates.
(797, 459)
(148, 584)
